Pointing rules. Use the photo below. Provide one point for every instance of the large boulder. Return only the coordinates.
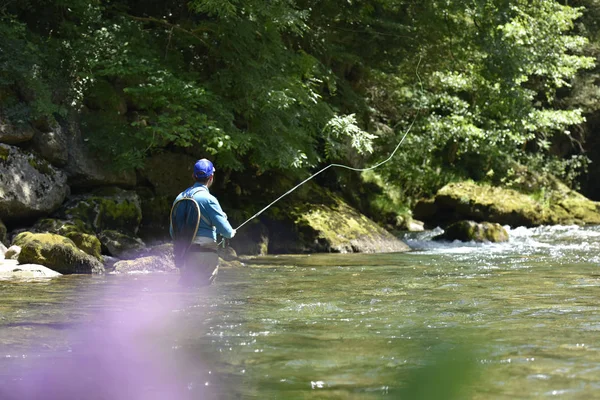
(85, 170)
(52, 145)
(29, 186)
(340, 228)
(55, 252)
(105, 209)
(482, 202)
(471, 231)
(11, 269)
(3, 250)
(13, 134)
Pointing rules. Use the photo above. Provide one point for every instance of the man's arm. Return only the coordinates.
(219, 220)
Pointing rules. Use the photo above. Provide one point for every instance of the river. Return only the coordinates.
(519, 320)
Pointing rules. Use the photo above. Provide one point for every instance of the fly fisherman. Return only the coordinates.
(194, 228)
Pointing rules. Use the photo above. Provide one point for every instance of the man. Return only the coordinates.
(199, 262)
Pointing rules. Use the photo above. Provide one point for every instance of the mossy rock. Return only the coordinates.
(119, 244)
(76, 230)
(471, 231)
(106, 209)
(340, 228)
(482, 202)
(55, 252)
(88, 243)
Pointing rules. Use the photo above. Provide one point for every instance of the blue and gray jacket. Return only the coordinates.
(213, 220)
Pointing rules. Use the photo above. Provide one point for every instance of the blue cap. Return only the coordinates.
(203, 169)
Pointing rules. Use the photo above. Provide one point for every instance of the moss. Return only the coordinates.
(41, 165)
(113, 214)
(103, 213)
(339, 224)
(88, 243)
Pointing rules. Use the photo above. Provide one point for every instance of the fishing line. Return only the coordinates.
(344, 166)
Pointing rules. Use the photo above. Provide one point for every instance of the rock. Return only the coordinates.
(12, 253)
(105, 209)
(327, 225)
(85, 170)
(407, 223)
(13, 134)
(11, 269)
(121, 245)
(169, 173)
(3, 232)
(109, 262)
(56, 252)
(88, 243)
(480, 202)
(52, 146)
(29, 186)
(471, 231)
(146, 264)
(76, 230)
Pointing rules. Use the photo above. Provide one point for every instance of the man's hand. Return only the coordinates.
(233, 234)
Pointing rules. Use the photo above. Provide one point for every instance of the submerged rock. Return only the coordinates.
(151, 259)
(56, 252)
(471, 231)
(11, 269)
(29, 186)
(146, 264)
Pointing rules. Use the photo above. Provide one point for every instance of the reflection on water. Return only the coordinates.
(501, 321)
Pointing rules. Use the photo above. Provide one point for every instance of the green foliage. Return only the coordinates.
(286, 85)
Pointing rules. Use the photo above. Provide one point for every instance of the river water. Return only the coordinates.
(519, 320)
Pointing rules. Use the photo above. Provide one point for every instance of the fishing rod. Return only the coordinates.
(341, 165)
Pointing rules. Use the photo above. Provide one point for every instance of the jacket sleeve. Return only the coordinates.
(219, 219)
